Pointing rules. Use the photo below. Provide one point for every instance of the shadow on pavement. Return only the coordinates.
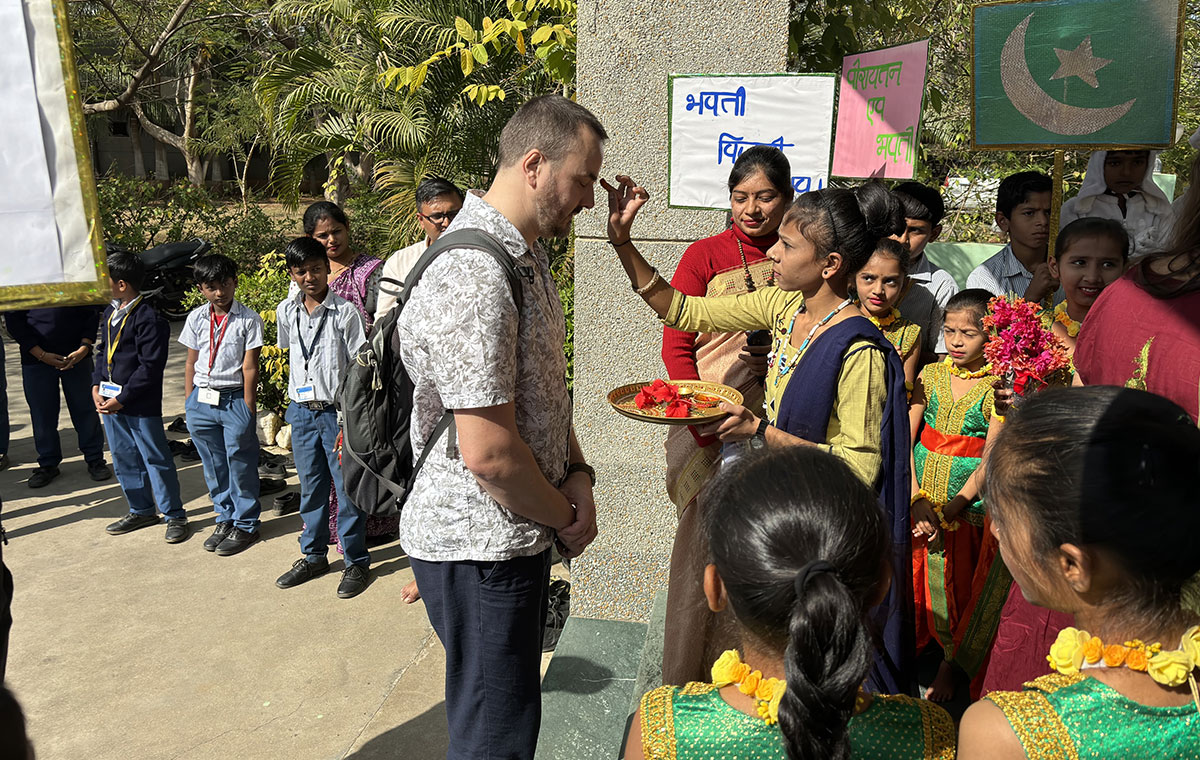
(424, 737)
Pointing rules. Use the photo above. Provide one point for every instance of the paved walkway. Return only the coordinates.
(125, 647)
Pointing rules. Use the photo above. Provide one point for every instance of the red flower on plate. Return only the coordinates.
(644, 399)
(680, 407)
(663, 391)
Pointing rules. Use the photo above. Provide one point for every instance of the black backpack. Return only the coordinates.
(375, 394)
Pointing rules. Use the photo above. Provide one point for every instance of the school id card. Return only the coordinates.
(306, 393)
(109, 389)
(210, 396)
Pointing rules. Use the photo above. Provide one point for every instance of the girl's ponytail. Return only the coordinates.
(827, 658)
(799, 542)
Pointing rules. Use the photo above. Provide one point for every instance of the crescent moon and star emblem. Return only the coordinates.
(1037, 105)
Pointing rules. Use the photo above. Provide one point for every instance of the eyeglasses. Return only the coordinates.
(438, 218)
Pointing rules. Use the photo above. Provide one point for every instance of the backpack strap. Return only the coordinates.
(371, 299)
(475, 239)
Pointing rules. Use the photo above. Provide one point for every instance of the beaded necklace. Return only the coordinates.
(778, 351)
(1062, 317)
(746, 269)
(957, 371)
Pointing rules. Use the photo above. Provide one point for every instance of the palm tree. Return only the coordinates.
(329, 98)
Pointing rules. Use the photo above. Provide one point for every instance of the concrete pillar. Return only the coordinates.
(626, 50)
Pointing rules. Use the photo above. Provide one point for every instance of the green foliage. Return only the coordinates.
(262, 289)
(137, 215)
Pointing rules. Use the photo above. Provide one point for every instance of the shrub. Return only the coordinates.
(139, 214)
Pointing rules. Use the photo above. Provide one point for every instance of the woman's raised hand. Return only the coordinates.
(623, 204)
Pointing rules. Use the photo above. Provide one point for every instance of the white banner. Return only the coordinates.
(26, 202)
(714, 119)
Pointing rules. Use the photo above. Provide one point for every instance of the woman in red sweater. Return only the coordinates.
(728, 264)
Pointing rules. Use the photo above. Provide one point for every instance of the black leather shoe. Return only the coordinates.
(287, 503)
(238, 540)
(302, 570)
(219, 534)
(355, 579)
(178, 530)
(268, 470)
(98, 471)
(42, 476)
(130, 523)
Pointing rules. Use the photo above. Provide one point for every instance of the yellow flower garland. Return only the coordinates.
(885, 321)
(1077, 650)
(958, 371)
(729, 669)
(1062, 317)
(937, 509)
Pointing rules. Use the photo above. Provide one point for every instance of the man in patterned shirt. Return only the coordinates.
(493, 496)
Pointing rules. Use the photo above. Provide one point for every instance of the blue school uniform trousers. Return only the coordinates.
(226, 440)
(142, 461)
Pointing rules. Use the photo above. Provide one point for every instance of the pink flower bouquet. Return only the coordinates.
(1020, 349)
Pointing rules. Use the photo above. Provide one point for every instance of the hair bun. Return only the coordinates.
(882, 212)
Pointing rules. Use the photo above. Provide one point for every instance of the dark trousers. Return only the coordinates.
(41, 392)
(4, 429)
(490, 617)
(6, 597)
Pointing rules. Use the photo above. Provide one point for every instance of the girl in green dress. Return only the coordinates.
(1092, 496)
(796, 542)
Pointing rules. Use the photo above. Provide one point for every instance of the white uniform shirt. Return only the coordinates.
(239, 332)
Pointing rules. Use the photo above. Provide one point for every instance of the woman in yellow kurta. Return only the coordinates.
(1091, 493)
(833, 380)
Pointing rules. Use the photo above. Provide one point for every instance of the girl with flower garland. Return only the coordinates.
(796, 541)
(959, 587)
(1092, 498)
(1089, 255)
(879, 286)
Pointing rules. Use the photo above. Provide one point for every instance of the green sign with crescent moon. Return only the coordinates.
(1075, 73)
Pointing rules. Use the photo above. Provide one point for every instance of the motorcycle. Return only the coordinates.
(169, 274)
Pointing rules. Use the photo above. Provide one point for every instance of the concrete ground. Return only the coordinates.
(126, 647)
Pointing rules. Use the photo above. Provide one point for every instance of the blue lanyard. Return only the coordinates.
(306, 351)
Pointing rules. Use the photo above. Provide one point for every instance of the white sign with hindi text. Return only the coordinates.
(715, 118)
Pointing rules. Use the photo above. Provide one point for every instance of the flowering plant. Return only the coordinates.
(662, 392)
(1020, 345)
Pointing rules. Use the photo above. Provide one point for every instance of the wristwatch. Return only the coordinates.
(759, 439)
(583, 467)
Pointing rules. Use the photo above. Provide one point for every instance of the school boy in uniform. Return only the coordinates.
(220, 382)
(1020, 268)
(127, 389)
(321, 331)
(929, 287)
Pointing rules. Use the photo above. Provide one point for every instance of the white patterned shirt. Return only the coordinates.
(239, 332)
(340, 338)
(465, 348)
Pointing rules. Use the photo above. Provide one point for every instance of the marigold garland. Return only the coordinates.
(1077, 650)
(882, 322)
(1063, 318)
(729, 669)
(958, 371)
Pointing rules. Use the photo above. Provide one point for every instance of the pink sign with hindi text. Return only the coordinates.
(879, 112)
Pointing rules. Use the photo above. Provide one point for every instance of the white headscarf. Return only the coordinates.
(1157, 201)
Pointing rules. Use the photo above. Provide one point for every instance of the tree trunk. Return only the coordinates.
(162, 172)
(197, 167)
(135, 141)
